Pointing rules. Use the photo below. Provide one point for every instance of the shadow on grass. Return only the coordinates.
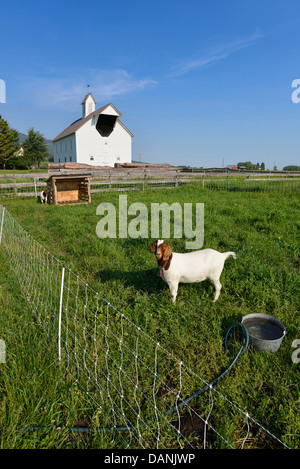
(145, 280)
(149, 282)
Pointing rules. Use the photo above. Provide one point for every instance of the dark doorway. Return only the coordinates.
(105, 124)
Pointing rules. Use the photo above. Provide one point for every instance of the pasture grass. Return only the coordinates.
(263, 230)
(38, 403)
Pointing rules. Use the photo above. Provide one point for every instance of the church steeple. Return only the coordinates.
(88, 105)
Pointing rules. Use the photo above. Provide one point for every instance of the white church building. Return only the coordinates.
(98, 138)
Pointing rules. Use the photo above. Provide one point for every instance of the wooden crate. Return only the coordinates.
(69, 189)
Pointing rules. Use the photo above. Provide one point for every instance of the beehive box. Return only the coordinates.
(69, 189)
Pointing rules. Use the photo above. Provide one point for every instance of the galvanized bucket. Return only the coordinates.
(265, 332)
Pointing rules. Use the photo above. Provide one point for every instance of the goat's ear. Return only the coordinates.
(152, 247)
(167, 251)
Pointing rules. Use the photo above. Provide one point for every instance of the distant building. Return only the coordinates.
(98, 138)
(231, 166)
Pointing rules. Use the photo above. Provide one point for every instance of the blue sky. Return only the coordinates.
(201, 83)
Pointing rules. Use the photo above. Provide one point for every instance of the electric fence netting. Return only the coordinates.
(138, 390)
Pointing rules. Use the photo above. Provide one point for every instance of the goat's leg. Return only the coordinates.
(218, 287)
(173, 289)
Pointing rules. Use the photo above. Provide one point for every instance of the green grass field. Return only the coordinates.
(263, 230)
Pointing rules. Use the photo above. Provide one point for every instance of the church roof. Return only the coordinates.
(80, 122)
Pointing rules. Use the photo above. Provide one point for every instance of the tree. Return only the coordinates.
(35, 148)
(19, 161)
(9, 142)
(291, 168)
(247, 165)
(262, 166)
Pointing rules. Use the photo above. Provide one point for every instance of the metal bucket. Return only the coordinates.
(265, 332)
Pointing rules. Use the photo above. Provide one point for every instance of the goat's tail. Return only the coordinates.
(229, 253)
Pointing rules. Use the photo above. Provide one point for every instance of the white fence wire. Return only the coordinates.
(137, 388)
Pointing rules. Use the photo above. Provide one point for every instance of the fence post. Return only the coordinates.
(2, 221)
(145, 180)
(15, 184)
(60, 310)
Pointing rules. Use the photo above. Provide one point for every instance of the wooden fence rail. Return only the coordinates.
(154, 172)
(120, 179)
